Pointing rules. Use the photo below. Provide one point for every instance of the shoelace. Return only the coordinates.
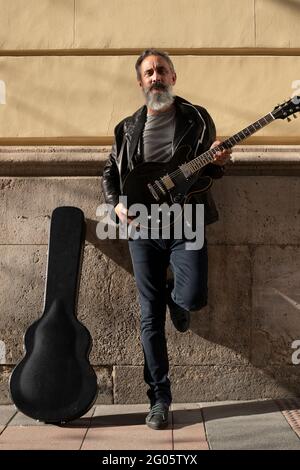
(157, 409)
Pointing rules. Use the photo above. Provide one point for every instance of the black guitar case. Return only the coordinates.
(54, 382)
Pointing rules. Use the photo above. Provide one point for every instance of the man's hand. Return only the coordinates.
(122, 213)
(222, 157)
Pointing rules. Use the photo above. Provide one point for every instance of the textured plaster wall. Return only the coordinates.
(238, 348)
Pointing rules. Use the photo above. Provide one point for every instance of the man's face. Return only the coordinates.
(157, 80)
(156, 69)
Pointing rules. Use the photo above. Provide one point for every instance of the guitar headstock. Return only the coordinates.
(286, 109)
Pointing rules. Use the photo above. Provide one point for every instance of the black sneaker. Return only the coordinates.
(157, 418)
(179, 316)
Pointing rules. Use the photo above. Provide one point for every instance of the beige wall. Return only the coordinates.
(50, 24)
(50, 96)
(86, 95)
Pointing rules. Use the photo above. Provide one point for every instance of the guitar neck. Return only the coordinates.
(208, 157)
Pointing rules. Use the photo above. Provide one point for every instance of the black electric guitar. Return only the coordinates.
(174, 182)
(54, 382)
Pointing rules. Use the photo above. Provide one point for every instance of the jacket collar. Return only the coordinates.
(184, 121)
(190, 115)
(187, 116)
(135, 129)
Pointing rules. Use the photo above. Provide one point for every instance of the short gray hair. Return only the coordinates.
(156, 52)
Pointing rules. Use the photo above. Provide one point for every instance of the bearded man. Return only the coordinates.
(153, 134)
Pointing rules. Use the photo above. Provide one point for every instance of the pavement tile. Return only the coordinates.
(131, 437)
(22, 420)
(123, 427)
(101, 410)
(119, 415)
(185, 406)
(290, 408)
(186, 414)
(6, 413)
(189, 437)
(41, 438)
(188, 428)
(248, 425)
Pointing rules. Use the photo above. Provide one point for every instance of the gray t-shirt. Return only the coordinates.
(158, 136)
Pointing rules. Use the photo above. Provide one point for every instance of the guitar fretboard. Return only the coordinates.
(202, 160)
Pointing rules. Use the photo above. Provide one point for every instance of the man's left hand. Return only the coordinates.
(222, 157)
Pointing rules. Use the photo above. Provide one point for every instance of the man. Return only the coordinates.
(154, 133)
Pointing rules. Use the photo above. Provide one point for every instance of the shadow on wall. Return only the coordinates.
(295, 4)
(246, 324)
(116, 250)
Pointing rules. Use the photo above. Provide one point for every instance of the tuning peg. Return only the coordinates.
(288, 119)
(295, 115)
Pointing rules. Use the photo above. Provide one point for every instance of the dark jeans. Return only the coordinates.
(151, 259)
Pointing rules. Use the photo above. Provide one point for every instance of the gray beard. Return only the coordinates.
(159, 100)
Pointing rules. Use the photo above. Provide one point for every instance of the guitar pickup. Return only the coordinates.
(160, 186)
(167, 181)
(186, 170)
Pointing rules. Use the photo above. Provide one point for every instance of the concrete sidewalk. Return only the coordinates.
(265, 424)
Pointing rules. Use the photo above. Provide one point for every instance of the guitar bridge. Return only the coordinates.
(153, 192)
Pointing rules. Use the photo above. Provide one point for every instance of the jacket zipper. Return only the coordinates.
(187, 130)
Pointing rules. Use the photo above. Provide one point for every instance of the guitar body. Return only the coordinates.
(136, 184)
(55, 382)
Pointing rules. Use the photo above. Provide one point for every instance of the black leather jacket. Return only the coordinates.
(194, 127)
